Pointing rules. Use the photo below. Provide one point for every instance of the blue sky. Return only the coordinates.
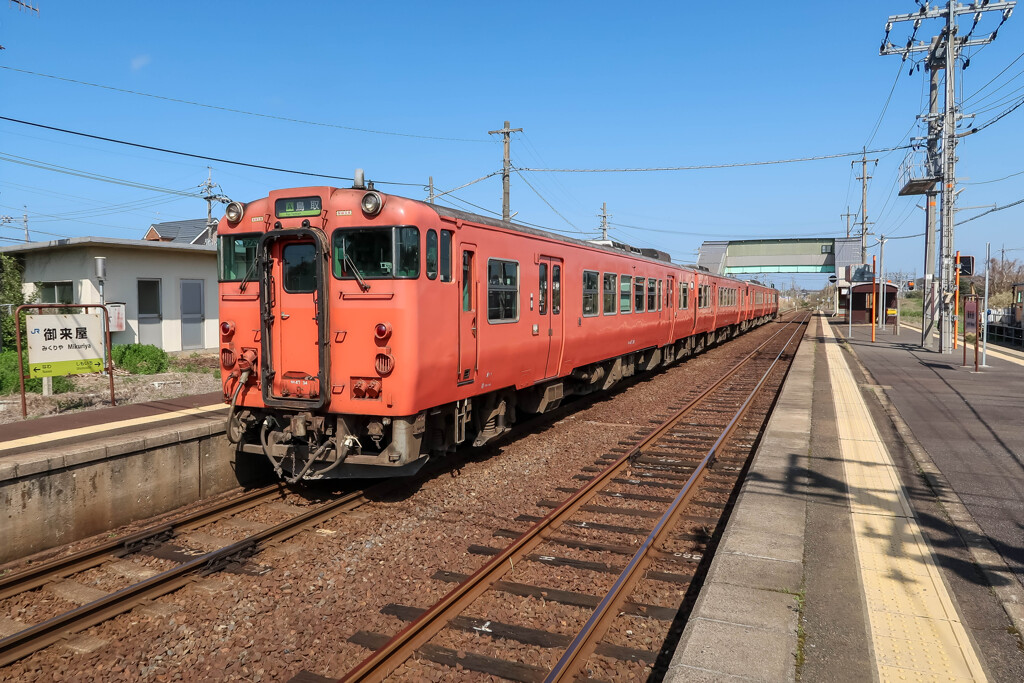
(594, 85)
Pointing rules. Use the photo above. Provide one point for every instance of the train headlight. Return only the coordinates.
(234, 212)
(371, 203)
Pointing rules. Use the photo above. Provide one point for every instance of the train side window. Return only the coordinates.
(446, 256)
(652, 294)
(659, 295)
(542, 303)
(590, 292)
(638, 294)
(407, 252)
(684, 295)
(502, 291)
(626, 294)
(610, 292)
(298, 268)
(431, 254)
(556, 289)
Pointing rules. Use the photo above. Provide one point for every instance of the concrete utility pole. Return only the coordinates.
(864, 178)
(210, 196)
(24, 218)
(943, 52)
(604, 221)
(847, 216)
(507, 168)
(430, 194)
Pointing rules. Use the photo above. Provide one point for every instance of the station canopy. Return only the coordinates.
(803, 255)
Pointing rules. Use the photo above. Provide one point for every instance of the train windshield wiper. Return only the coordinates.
(248, 275)
(355, 271)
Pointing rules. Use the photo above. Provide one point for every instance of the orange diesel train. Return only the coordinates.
(363, 332)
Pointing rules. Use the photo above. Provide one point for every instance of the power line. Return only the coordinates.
(998, 208)
(239, 111)
(703, 167)
(518, 173)
(195, 156)
(25, 161)
(997, 180)
(982, 88)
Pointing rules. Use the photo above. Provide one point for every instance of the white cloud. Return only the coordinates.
(139, 62)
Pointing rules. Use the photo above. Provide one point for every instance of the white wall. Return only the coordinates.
(125, 266)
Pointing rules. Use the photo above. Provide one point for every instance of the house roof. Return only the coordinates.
(109, 242)
(182, 232)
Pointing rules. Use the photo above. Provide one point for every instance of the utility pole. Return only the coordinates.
(864, 178)
(24, 218)
(943, 52)
(506, 132)
(430, 194)
(604, 221)
(847, 216)
(210, 196)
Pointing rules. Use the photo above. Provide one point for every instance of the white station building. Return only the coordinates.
(167, 282)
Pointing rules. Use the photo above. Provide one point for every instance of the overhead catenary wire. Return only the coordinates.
(240, 111)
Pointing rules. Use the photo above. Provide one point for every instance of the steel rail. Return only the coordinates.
(382, 662)
(597, 625)
(40, 574)
(36, 637)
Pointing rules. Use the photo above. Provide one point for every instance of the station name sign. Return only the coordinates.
(64, 344)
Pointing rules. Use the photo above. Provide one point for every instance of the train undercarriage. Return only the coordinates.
(309, 445)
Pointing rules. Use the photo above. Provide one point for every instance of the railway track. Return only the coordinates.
(637, 531)
(156, 541)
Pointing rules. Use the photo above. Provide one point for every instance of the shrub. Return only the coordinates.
(139, 359)
(9, 377)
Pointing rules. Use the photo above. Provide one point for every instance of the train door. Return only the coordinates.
(549, 308)
(293, 297)
(468, 324)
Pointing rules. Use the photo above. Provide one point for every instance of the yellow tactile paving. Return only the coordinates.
(916, 633)
(40, 439)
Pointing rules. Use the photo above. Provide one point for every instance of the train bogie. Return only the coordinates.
(362, 333)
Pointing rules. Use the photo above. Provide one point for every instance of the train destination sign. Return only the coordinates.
(64, 344)
(296, 207)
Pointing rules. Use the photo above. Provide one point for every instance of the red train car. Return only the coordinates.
(363, 332)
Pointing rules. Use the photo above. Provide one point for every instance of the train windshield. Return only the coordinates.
(236, 256)
(376, 253)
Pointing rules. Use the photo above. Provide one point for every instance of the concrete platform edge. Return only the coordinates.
(745, 623)
(990, 563)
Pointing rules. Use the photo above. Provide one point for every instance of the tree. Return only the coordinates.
(12, 295)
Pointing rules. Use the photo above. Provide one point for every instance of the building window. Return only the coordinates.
(626, 294)
(55, 292)
(502, 291)
(638, 295)
(610, 292)
(826, 248)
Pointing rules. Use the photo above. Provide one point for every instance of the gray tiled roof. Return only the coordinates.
(182, 232)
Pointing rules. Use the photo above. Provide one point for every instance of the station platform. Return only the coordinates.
(76, 428)
(879, 535)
